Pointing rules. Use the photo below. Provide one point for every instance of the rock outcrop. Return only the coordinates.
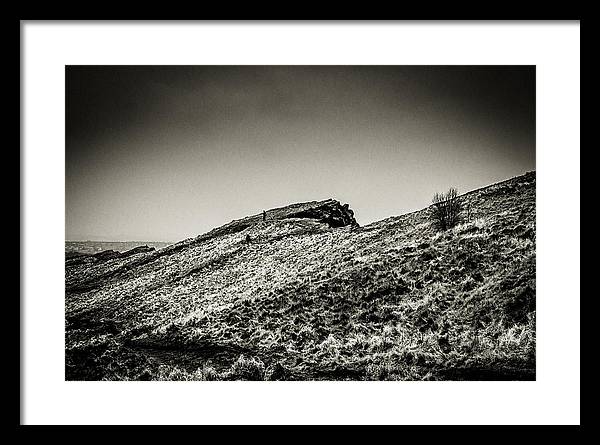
(136, 250)
(106, 255)
(330, 212)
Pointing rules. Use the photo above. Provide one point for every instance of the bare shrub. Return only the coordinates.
(447, 209)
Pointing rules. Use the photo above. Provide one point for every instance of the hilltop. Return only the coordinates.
(313, 295)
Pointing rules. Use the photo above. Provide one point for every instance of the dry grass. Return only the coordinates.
(390, 301)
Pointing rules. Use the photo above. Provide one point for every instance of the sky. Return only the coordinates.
(163, 153)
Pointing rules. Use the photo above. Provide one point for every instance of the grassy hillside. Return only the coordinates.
(305, 299)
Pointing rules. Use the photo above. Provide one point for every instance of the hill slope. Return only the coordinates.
(315, 296)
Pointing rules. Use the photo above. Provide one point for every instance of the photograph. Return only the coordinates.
(300, 223)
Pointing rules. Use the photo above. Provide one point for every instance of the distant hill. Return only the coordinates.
(92, 247)
(308, 294)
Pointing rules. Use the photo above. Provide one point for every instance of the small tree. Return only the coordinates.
(447, 209)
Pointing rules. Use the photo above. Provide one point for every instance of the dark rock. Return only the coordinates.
(106, 255)
(77, 258)
(330, 212)
(136, 250)
(73, 254)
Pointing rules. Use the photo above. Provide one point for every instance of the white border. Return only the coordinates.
(553, 398)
